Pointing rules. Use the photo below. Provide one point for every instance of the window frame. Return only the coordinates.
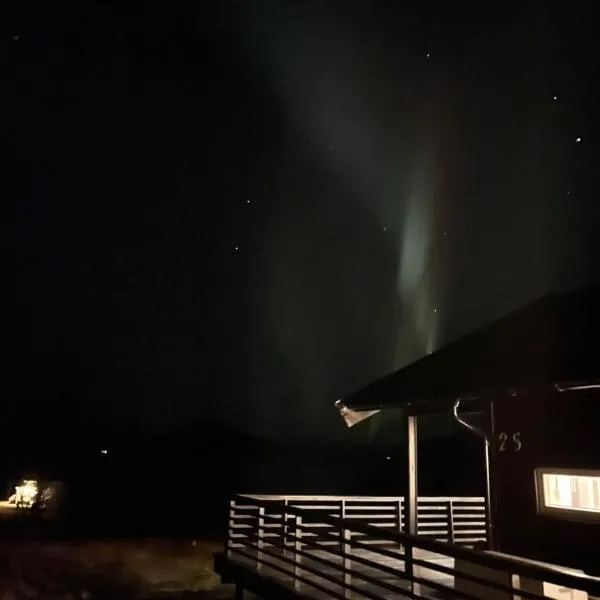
(564, 514)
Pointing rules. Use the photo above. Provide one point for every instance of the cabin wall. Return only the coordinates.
(536, 430)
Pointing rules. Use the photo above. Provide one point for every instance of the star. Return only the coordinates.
(248, 201)
(428, 55)
(385, 228)
(578, 140)
(236, 248)
(555, 98)
(15, 38)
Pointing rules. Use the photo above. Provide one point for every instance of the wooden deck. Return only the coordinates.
(303, 581)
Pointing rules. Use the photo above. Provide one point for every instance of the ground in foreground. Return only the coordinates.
(108, 569)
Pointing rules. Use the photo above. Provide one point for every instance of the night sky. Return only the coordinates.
(240, 211)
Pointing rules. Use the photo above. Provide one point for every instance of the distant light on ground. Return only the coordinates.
(25, 494)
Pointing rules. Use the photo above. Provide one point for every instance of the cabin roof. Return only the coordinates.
(552, 341)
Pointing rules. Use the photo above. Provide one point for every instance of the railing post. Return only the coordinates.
(450, 522)
(346, 560)
(284, 524)
(230, 528)
(261, 537)
(409, 565)
(401, 522)
(345, 536)
(341, 530)
(297, 547)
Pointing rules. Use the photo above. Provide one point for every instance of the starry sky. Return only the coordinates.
(240, 211)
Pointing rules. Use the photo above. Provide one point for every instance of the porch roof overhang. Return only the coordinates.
(552, 343)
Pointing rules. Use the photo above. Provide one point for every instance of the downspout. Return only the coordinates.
(488, 484)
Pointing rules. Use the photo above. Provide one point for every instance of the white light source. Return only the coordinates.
(578, 140)
(104, 451)
(26, 493)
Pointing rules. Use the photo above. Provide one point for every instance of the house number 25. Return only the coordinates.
(509, 442)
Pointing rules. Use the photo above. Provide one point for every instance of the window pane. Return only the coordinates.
(572, 492)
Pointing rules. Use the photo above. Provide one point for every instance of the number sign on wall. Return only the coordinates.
(509, 442)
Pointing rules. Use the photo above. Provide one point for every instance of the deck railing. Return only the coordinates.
(316, 553)
(456, 520)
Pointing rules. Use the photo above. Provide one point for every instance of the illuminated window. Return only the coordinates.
(568, 493)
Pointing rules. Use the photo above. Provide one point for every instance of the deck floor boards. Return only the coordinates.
(359, 568)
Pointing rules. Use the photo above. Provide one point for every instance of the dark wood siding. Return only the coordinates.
(556, 430)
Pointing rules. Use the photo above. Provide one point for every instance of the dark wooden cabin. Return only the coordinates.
(535, 377)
